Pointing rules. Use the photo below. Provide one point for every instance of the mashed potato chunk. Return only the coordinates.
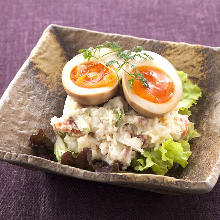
(114, 131)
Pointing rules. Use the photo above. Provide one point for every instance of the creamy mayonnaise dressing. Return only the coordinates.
(115, 132)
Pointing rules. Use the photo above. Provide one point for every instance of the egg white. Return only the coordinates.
(144, 106)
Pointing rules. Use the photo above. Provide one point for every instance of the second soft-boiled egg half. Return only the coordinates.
(90, 82)
(162, 91)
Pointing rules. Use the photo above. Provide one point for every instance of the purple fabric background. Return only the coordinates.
(26, 194)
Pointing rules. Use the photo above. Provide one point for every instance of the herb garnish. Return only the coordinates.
(125, 55)
(85, 131)
(119, 114)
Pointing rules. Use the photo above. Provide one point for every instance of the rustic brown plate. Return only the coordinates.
(36, 94)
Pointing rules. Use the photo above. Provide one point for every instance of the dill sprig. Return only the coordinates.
(125, 55)
(137, 76)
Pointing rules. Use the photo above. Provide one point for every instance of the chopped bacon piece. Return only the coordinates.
(126, 152)
(68, 126)
(185, 122)
(140, 137)
(186, 125)
(70, 121)
(77, 132)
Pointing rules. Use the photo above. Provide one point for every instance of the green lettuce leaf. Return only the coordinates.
(191, 133)
(184, 111)
(191, 93)
(161, 160)
(59, 148)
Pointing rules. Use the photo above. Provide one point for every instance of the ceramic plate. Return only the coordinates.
(36, 94)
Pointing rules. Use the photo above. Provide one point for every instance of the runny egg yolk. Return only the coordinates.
(93, 75)
(161, 86)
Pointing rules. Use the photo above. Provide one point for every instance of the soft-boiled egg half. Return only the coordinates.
(164, 88)
(91, 82)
